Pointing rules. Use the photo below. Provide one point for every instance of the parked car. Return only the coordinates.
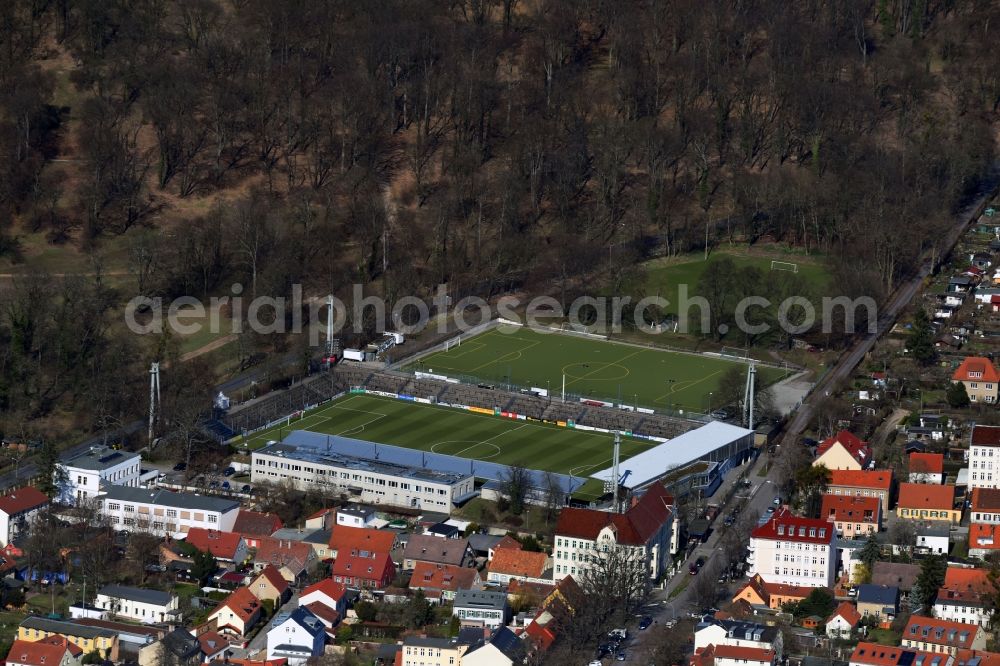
(229, 471)
(777, 501)
(645, 623)
(621, 656)
(180, 467)
(225, 484)
(247, 489)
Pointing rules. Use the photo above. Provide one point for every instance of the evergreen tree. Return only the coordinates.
(51, 476)
(870, 553)
(957, 396)
(203, 566)
(921, 342)
(931, 578)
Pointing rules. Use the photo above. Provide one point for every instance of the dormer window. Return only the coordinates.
(781, 530)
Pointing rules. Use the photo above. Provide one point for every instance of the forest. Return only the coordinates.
(174, 147)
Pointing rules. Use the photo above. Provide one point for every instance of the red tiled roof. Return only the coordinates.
(851, 508)
(361, 539)
(783, 590)
(256, 523)
(785, 526)
(375, 569)
(273, 576)
(744, 654)
(319, 514)
(985, 658)
(212, 643)
(854, 446)
(635, 527)
(242, 602)
(46, 652)
(926, 496)
(250, 662)
(985, 435)
(508, 542)
(445, 577)
(880, 479)
(518, 563)
(329, 616)
(283, 552)
(940, 632)
(976, 368)
(22, 499)
(327, 586)
(873, 654)
(983, 536)
(926, 463)
(847, 611)
(985, 499)
(532, 588)
(958, 578)
(221, 545)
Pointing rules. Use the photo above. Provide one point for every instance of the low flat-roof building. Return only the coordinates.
(365, 479)
(82, 475)
(163, 512)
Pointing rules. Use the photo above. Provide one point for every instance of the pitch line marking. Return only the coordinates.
(584, 376)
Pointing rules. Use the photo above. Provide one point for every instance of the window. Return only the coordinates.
(114, 506)
(171, 513)
(129, 508)
(212, 518)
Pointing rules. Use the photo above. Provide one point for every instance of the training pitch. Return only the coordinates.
(593, 368)
(450, 431)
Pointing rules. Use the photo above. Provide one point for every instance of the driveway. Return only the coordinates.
(259, 642)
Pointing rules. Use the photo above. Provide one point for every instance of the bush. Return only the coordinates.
(366, 611)
(344, 634)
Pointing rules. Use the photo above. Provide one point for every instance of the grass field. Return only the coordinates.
(663, 276)
(454, 432)
(593, 368)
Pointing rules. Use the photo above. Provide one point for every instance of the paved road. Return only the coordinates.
(887, 317)
(661, 607)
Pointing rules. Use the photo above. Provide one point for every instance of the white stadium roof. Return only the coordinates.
(678, 452)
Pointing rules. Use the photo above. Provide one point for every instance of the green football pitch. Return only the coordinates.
(593, 368)
(451, 431)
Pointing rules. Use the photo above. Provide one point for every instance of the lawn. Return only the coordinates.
(592, 368)
(450, 431)
(665, 275)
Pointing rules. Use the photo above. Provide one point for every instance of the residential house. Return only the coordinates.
(866, 483)
(162, 512)
(237, 614)
(361, 540)
(853, 516)
(926, 468)
(179, 647)
(646, 529)
(509, 564)
(324, 519)
(843, 621)
(226, 547)
(372, 571)
(759, 592)
(270, 585)
(878, 601)
(981, 380)
(504, 648)
(933, 538)
(440, 582)
(51, 651)
(896, 574)
(984, 538)
(843, 451)
(932, 634)
(213, 645)
(964, 597)
(296, 636)
(328, 616)
(291, 558)
(918, 501)
(977, 658)
(357, 515)
(874, 654)
(483, 545)
(139, 604)
(481, 607)
(327, 592)
(424, 548)
(17, 510)
(734, 633)
(729, 655)
(89, 639)
(80, 477)
(424, 651)
(794, 551)
(984, 457)
(256, 523)
(984, 506)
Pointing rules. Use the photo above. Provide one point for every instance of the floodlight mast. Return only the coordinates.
(154, 398)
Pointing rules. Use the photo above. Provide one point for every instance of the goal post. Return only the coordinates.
(735, 353)
(454, 342)
(789, 266)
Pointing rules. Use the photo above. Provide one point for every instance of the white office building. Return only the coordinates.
(984, 457)
(163, 512)
(83, 475)
(793, 551)
(139, 604)
(363, 479)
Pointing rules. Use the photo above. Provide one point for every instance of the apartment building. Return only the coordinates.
(17, 509)
(163, 512)
(139, 604)
(931, 634)
(793, 551)
(80, 477)
(984, 457)
(853, 517)
(865, 483)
